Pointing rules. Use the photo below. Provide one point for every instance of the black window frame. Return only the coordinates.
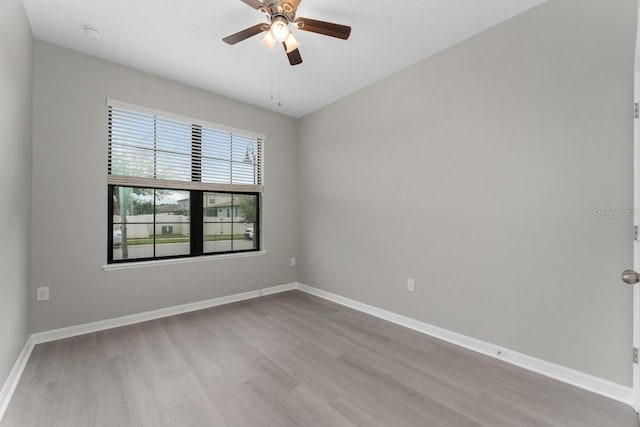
(123, 119)
(256, 229)
(196, 213)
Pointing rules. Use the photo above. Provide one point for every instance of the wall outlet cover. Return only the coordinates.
(42, 293)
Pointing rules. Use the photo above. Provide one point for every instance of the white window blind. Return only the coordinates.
(161, 150)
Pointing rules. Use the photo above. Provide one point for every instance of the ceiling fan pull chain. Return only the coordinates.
(279, 84)
(273, 66)
(279, 81)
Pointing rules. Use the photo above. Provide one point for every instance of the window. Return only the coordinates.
(171, 180)
(154, 225)
(231, 233)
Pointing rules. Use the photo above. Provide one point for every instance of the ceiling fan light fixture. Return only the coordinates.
(268, 40)
(280, 28)
(291, 43)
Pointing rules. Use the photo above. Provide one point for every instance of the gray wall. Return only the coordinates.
(16, 48)
(494, 155)
(70, 194)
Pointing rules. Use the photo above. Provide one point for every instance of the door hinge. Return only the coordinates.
(635, 355)
(636, 110)
(635, 232)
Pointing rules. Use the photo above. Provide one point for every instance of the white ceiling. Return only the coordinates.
(182, 40)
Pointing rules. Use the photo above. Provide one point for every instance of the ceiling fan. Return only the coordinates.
(281, 13)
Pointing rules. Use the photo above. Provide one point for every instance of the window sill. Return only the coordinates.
(160, 262)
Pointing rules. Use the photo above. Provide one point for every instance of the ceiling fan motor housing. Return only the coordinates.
(287, 8)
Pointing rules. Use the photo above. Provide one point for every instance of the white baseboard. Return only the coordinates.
(9, 387)
(585, 381)
(579, 379)
(277, 289)
(101, 325)
(56, 334)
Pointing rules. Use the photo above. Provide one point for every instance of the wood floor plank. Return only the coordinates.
(289, 359)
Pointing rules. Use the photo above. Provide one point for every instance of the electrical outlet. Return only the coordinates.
(411, 286)
(42, 294)
(293, 261)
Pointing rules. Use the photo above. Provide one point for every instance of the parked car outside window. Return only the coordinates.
(117, 237)
(248, 233)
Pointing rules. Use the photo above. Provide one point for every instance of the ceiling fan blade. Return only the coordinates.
(245, 34)
(294, 56)
(253, 3)
(326, 28)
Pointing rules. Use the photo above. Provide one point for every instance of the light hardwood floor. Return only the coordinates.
(287, 360)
